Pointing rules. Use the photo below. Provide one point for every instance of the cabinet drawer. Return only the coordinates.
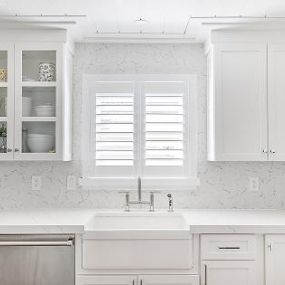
(228, 247)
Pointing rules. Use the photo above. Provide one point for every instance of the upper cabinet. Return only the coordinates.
(35, 101)
(276, 101)
(245, 101)
(6, 101)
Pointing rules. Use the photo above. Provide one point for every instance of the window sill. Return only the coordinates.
(130, 183)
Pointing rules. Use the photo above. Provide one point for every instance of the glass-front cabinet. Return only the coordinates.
(38, 120)
(6, 101)
(32, 93)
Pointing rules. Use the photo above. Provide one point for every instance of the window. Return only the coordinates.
(140, 125)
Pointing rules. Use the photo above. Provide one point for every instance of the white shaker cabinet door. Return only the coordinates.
(168, 280)
(276, 101)
(275, 259)
(237, 105)
(106, 280)
(229, 273)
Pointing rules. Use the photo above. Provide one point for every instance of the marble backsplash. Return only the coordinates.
(223, 185)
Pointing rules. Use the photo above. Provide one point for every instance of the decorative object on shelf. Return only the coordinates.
(27, 106)
(3, 74)
(3, 106)
(46, 71)
(3, 138)
(45, 111)
(24, 140)
(40, 143)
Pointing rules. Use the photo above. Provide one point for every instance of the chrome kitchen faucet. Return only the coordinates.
(128, 202)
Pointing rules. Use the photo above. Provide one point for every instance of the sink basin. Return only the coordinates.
(137, 221)
(138, 241)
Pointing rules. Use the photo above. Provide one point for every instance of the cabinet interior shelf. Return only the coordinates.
(3, 84)
(38, 84)
(38, 119)
(3, 119)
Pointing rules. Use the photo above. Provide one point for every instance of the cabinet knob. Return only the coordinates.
(265, 150)
(272, 151)
(17, 150)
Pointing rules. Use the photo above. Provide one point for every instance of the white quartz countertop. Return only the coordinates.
(45, 221)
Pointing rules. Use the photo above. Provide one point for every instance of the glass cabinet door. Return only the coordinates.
(37, 106)
(6, 102)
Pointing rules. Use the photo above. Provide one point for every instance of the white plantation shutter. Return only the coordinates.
(113, 128)
(139, 126)
(165, 128)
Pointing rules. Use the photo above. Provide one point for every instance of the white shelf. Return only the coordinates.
(38, 119)
(3, 84)
(38, 83)
(3, 119)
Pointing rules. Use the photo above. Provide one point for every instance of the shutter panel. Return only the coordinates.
(114, 124)
(164, 123)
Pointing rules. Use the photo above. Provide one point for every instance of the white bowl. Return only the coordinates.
(26, 106)
(45, 111)
(40, 143)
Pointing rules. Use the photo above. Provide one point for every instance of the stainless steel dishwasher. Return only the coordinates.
(37, 260)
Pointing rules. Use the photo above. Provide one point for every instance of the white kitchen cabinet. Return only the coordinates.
(237, 102)
(6, 101)
(107, 280)
(37, 114)
(276, 101)
(138, 280)
(229, 272)
(168, 279)
(275, 259)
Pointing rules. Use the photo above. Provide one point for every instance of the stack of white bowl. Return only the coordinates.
(40, 143)
(45, 111)
(27, 106)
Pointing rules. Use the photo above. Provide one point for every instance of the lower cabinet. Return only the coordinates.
(168, 280)
(106, 280)
(138, 280)
(229, 272)
(275, 259)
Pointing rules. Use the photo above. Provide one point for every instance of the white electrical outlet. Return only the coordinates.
(71, 182)
(36, 183)
(253, 184)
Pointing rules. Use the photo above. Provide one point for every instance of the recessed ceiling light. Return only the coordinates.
(141, 20)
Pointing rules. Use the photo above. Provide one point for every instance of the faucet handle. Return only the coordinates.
(127, 200)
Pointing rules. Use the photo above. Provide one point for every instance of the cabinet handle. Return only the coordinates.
(9, 150)
(265, 150)
(272, 151)
(17, 150)
(206, 273)
(141, 282)
(229, 247)
(133, 282)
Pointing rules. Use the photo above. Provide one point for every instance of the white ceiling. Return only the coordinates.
(115, 19)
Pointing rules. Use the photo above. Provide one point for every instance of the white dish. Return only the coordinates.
(26, 106)
(45, 111)
(40, 143)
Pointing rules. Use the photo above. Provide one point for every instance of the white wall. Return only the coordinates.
(223, 185)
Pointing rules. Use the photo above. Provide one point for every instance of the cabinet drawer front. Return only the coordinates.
(137, 254)
(228, 247)
(169, 279)
(106, 280)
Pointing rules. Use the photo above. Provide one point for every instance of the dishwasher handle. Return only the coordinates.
(37, 243)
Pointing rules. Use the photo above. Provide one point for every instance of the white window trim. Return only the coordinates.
(148, 183)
